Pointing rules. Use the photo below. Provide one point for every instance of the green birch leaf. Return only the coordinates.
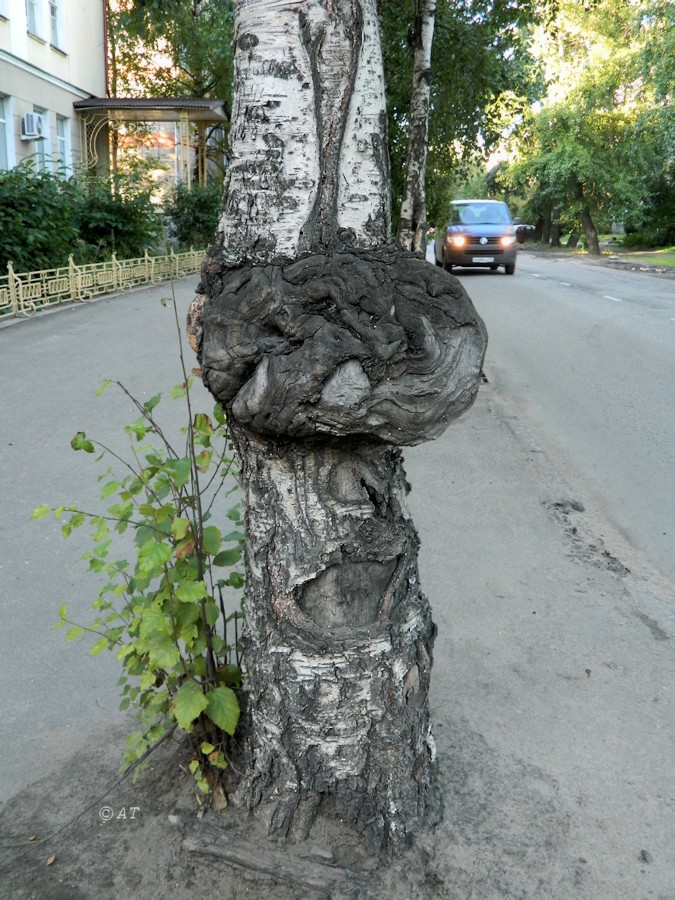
(109, 489)
(148, 678)
(124, 651)
(179, 528)
(212, 613)
(150, 404)
(190, 591)
(162, 652)
(227, 558)
(180, 471)
(100, 645)
(154, 622)
(188, 704)
(230, 675)
(223, 708)
(80, 442)
(235, 580)
(211, 540)
(153, 555)
(74, 632)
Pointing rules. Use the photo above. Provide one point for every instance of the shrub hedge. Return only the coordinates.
(45, 216)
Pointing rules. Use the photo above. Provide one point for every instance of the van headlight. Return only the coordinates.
(507, 240)
(457, 240)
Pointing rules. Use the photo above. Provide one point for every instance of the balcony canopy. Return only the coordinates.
(99, 112)
(153, 109)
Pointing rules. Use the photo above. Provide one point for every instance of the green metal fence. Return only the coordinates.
(26, 293)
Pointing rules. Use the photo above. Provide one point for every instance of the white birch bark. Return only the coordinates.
(307, 154)
(412, 226)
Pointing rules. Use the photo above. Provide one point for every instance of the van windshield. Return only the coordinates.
(480, 214)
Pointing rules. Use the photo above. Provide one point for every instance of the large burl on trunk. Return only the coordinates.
(330, 351)
(327, 365)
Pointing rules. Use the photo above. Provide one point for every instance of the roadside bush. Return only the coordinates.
(115, 216)
(38, 219)
(193, 213)
(44, 217)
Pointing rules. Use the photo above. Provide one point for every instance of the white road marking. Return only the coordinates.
(534, 275)
(615, 299)
(566, 283)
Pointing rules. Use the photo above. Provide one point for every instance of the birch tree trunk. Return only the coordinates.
(330, 350)
(412, 225)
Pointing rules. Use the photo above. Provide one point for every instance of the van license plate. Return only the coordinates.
(483, 259)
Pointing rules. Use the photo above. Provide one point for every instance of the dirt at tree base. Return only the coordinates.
(70, 837)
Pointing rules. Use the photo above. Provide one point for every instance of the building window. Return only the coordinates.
(32, 16)
(56, 23)
(63, 160)
(4, 134)
(43, 147)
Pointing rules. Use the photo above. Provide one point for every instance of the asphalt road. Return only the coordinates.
(585, 355)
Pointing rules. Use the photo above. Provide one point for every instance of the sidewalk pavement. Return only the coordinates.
(552, 683)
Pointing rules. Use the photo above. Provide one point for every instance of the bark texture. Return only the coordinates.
(329, 350)
(591, 232)
(339, 697)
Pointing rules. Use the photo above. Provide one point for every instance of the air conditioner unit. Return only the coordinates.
(32, 127)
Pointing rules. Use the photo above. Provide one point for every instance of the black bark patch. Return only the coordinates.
(247, 42)
(362, 345)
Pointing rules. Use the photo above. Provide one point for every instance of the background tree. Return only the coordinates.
(329, 350)
(412, 223)
(170, 48)
(655, 217)
(479, 81)
(186, 48)
(601, 139)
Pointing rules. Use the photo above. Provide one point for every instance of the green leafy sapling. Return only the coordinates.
(162, 611)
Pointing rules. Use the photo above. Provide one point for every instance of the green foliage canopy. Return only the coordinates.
(601, 140)
(189, 43)
(479, 81)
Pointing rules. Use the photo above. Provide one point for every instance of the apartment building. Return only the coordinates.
(52, 54)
